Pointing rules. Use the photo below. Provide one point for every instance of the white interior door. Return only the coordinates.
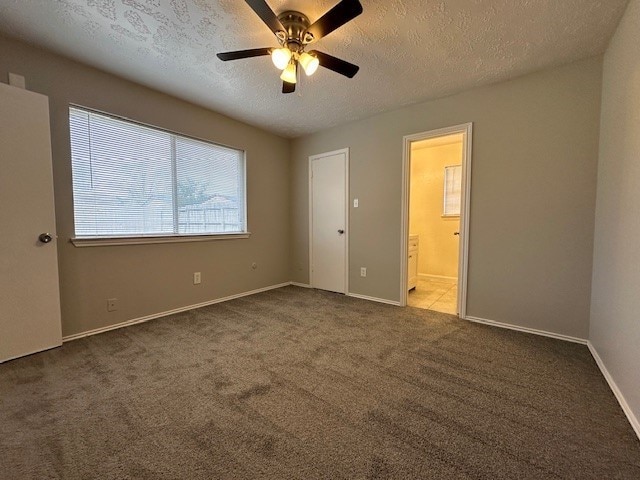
(29, 289)
(328, 192)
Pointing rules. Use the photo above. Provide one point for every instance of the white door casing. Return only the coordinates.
(465, 206)
(328, 213)
(29, 288)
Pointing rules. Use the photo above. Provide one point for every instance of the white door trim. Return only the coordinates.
(466, 130)
(346, 213)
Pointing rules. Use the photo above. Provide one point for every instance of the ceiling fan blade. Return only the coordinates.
(339, 66)
(288, 87)
(267, 15)
(342, 13)
(238, 54)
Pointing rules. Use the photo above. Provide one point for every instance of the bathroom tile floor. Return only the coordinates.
(435, 294)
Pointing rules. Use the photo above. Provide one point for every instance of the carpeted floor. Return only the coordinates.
(304, 384)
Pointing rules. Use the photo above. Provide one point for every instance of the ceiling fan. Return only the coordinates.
(294, 32)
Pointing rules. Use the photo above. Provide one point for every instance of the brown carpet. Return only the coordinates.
(305, 384)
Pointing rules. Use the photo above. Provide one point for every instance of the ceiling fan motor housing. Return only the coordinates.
(294, 32)
(296, 25)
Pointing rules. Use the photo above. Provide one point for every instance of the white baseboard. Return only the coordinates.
(374, 299)
(354, 295)
(437, 277)
(534, 331)
(153, 316)
(39, 350)
(633, 420)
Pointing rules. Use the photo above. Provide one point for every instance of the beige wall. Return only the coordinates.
(535, 143)
(615, 303)
(533, 196)
(438, 247)
(148, 279)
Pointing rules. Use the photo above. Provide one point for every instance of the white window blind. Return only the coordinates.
(131, 180)
(452, 190)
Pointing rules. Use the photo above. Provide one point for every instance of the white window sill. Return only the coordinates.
(111, 241)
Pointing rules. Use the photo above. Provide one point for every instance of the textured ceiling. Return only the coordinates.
(408, 50)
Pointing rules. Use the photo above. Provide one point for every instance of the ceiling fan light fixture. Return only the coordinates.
(289, 73)
(294, 32)
(281, 57)
(309, 63)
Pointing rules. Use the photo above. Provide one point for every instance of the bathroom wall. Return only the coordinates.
(438, 253)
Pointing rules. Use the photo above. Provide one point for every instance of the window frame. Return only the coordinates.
(447, 193)
(105, 240)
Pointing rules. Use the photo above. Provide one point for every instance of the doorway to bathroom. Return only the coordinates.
(435, 219)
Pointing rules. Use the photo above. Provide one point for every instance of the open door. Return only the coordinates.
(455, 179)
(434, 222)
(29, 289)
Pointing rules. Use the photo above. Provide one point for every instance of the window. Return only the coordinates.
(452, 191)
(131, 180)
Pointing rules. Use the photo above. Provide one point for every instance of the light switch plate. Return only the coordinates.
(355, 203)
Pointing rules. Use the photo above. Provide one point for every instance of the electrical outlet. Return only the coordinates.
(355, 203)
(197, 278)
(363, 271)
(16, 80)
(112, 304)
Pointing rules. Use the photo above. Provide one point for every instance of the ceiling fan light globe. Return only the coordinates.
(280, 57)
(309, 63)
(289, 74)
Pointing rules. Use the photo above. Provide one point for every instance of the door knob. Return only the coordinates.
(45, 237)
(456, 233)
(340, 231)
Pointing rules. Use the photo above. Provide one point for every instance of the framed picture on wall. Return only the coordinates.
(452, 191)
